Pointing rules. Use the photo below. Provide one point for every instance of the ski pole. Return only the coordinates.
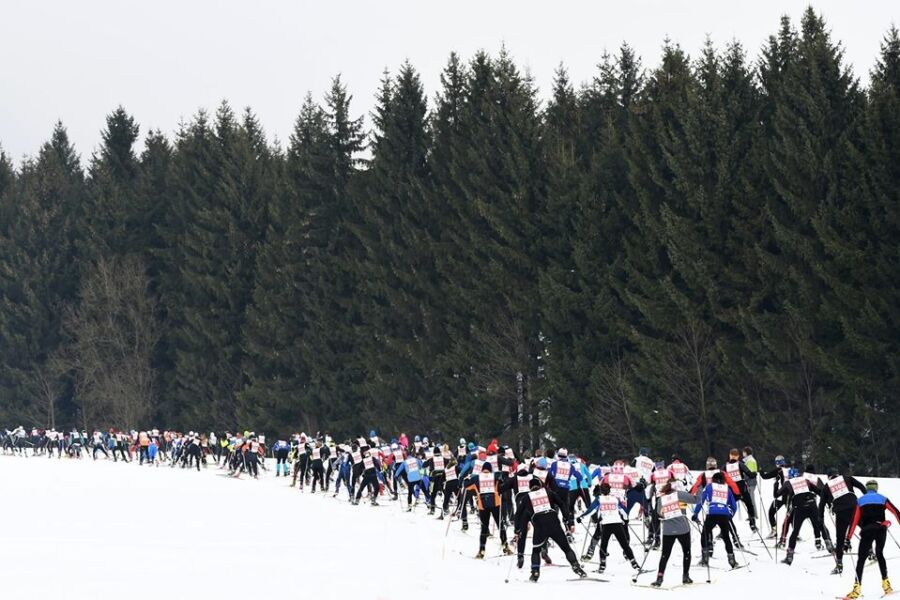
(740, 545)
(511, 559)
(641, 569)
(888, 529)
(764, 543)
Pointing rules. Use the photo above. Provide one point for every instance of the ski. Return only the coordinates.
(588, 579)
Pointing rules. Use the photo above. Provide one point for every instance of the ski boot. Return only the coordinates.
(704, 559)
(838, 569)
(480, 554)
(546, 557)
(602, 566)
(431, 510)
(409, 508)
(789, 558)
(771, 535)
(635, 565)
(506, 549)
(465, 526)
(732, 562)
(738, 545)
(780, 543)
(818, 544)
(848, 547)
(441, 516)
(535, 573)
(686, 579)
(374, 501)
(886, 586)
(659, 580)
(753, 527)
(520, 561)
(576, 568)
(829, 546)
(588, 555)
(354, 502)
(856, 592)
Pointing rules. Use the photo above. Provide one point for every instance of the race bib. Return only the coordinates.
(671, 509)
(680, 470)
(486, 483)
(368, 463)
(477, 466)
(734, 471)
(357, 457)
(398, 455)
(438, 463)
(316, 453)
(720, 493)
(492, 460)
(609, 509)
(563, 470)
(522, 484)
(541, 474)
(450, 474)
(838, 487)
(412, 466)
(800, 485)
(644, 466)
(540, 502)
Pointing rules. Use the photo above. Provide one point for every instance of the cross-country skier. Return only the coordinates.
(675, 528)
(541, 507)
(873, 524)
(721, 506)
(612, 519)
(838, 495)
(485, 486)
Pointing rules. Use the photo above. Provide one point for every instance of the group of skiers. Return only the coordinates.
(536, 492)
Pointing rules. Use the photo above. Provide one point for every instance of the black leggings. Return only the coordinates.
(546, 526)
(842, 520)
(485, 516)
(801, 513)
(877, 535)
(724, 524)
(411, 487)
(369, 480)
(668, 541)
(618, 530)
(318, 474)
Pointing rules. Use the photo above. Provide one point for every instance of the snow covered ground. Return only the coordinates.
(80, 529)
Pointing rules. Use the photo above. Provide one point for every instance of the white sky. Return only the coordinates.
(164, 59)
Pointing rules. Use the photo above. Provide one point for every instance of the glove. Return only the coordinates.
(695, 518)
(595, 518)
(578, 520)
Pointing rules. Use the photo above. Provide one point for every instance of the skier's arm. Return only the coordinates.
(595, 505)
(855, 483)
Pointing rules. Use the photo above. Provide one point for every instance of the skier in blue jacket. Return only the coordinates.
(721, 506)
(415, 479)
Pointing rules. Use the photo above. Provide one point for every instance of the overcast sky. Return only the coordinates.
(164, 59)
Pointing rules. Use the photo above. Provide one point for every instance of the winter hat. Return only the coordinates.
(872, 485)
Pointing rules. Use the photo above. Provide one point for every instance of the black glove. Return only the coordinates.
(695, 518)
(578, 520)
(595, 518)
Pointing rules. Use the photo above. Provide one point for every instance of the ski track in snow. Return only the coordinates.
(85, 529)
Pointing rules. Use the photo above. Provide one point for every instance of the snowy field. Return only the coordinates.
(84, 529)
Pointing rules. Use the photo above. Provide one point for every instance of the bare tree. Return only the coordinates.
(111, 336)
(611, 412)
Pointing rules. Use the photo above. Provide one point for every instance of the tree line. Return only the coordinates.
(693, 256)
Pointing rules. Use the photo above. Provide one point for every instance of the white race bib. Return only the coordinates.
(734, 471)
(838, 487)
(540, 502)
(486, 483)
(671, 509)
